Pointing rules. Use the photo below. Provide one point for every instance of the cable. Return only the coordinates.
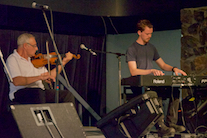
(104, 23)
(194, 103)
(182, 112)
(105, 32)
(173, 100)
(202, 126)
(113, 25)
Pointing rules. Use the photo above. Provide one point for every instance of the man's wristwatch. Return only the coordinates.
(173, 69)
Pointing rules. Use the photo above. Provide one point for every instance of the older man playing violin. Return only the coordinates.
(27, 86)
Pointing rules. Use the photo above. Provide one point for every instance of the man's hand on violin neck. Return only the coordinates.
(47, 77)
(67, 58)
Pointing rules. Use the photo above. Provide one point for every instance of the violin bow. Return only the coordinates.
(48, 61)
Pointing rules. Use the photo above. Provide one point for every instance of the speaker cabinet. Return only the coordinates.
(132, 119)
(48, 120)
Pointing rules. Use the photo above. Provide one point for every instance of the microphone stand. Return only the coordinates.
(119, 70)
(66, 82)
(59, 59)
(5, 68)
(57, 82)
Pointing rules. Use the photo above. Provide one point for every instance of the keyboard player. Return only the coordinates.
(139, 57)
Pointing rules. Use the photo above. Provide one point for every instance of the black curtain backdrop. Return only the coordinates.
(86, 75)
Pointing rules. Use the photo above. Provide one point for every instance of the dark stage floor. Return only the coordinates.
(9, 129)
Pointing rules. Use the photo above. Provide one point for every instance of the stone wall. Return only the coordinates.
(194, 41)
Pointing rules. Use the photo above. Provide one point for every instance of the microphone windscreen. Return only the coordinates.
(34, 5)
(82, 46)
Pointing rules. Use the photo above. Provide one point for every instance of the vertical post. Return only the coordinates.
(119, 85)
(57, 83)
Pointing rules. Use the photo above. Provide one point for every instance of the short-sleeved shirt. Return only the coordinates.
(144, 55)
(19, 66)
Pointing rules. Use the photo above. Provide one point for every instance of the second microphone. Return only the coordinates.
(82, 46)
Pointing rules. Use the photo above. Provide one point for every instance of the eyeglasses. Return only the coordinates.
(32, 45)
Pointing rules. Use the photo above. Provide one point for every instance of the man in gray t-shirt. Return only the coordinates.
(142, 54)
(139, 57)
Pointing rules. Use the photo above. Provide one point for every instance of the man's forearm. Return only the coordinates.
(22, 81)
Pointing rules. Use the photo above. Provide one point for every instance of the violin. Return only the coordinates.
(40, 59)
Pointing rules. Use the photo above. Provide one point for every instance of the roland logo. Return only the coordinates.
(158, 81)
(204, 81)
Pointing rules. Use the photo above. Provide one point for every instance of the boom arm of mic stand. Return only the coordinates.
(118, 54)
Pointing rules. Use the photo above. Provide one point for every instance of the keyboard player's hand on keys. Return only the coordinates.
(157, 72)
(179, 71)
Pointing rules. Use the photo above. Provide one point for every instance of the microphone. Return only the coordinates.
(40, 6)
(82, 46)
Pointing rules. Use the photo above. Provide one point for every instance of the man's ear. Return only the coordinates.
(139, 32)
(25, 45)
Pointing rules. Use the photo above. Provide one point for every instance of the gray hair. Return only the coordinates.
(24, 38)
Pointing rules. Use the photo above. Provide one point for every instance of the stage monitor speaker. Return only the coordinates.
(48, 120)
(133, 119)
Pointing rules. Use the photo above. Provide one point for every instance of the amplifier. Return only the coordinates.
(133, 119)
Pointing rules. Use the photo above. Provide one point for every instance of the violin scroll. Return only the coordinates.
(76, 56)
